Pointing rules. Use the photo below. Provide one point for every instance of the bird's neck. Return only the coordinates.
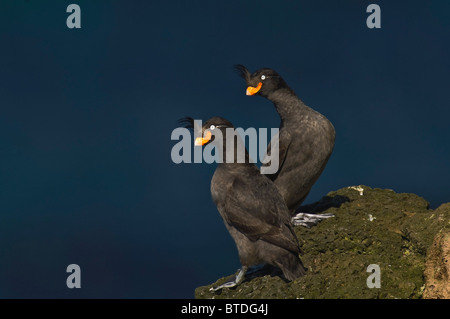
(287, 104)
(234, 162)
(235, 154)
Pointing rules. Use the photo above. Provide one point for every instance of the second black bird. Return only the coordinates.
(251, 206)
(306, 137)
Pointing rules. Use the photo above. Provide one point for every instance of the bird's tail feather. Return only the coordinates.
(291, 266)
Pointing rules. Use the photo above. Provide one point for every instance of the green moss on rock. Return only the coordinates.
(392, 230)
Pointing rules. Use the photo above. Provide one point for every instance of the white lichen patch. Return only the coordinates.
(358, 188)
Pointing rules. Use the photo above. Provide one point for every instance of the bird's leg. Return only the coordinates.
(255, 269)
(308, 220)
(239, 278)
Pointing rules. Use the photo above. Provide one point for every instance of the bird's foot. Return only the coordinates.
(309, 220)
(238, 279)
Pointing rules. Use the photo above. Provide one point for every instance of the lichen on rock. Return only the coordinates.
(437, 267)
(392, 230)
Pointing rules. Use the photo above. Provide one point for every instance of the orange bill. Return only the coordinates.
(253, 90)
(203, 140)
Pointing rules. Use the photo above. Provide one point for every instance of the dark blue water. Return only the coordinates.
(86, 115)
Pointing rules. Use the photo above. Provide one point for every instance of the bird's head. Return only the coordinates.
(262, 82)
(207, 133)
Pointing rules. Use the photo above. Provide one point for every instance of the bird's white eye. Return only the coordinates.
(212, 127)
(263, 77)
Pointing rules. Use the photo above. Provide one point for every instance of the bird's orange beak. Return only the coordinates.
(199, 141)
(253, 90)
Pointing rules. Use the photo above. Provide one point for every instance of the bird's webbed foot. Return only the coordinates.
(309, 220)
(238, 279)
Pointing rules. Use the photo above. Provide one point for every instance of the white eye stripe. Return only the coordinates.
(263, 77)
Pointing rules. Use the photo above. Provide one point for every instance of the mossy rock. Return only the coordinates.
(371, 226)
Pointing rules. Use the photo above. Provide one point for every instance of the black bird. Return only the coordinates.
(306, 140)
(252, 209)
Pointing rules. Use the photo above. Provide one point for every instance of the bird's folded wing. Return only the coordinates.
(258, 211)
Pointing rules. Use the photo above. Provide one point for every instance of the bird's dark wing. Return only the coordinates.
(283, 141)
(258, 211)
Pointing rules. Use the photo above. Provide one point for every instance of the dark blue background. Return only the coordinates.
(86, 116)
